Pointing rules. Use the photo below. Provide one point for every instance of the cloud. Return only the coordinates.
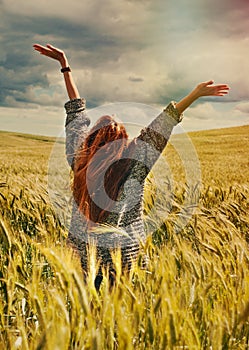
(229, 18)
(131, 50)
(211, 116)
(97, 37)
(203, 111)
(135, 79)
(243, 107)
(202, 41)
(102, 17)
(39, 120)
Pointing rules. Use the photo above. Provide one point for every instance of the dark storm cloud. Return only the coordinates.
(135, 79)
(127, 50)
(20, 67)
(102, 43)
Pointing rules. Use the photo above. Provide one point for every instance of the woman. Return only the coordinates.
(109, 172)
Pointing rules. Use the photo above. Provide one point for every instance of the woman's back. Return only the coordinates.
(126, 212)
(124, 227)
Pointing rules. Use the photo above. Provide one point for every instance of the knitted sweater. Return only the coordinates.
(126, 224)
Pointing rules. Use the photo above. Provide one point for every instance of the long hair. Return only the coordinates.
(99, 169)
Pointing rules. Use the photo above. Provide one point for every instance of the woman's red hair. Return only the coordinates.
(99, 167)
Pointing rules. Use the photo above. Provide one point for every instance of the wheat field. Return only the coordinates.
(194, 293)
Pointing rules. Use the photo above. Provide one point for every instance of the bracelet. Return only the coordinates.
(65, 69)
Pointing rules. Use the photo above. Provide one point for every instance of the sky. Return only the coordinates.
(138, 51)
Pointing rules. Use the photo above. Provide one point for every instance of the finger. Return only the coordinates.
(37, 46)
(221, 93)
(210, 82)
(222, 86)
(221, 89)
(43, 50)
(38, 49)
(52, 47)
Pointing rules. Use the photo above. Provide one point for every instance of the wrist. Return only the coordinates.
(64, 62)
(195, 94)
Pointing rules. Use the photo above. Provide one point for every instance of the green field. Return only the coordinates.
(194, 293)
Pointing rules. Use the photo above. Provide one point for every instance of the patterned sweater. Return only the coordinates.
(125, 223)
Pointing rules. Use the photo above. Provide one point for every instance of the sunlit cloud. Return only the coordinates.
(149, 52)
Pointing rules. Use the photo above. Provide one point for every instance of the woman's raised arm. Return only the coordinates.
(59, 55)
(203, 89)
(77, 122)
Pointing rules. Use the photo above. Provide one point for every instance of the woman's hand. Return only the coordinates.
(208, 89)
(59, 55)
(202, 89)
(52, 52)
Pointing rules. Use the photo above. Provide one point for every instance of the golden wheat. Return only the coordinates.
(194, 292)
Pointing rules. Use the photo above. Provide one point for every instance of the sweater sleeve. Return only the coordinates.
(153, 139)
(77, 125)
